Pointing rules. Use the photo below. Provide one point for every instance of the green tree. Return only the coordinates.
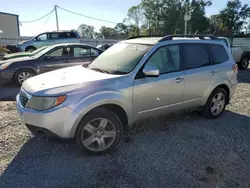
(86, 31)
(199, 22)
(234, 16)
(135, 16)
(108, 32)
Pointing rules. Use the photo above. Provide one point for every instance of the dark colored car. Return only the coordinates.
(52, 58)
(104, 46)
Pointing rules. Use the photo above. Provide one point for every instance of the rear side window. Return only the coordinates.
(195, 55)
(218, 53)
(54, 36)
(71, 35)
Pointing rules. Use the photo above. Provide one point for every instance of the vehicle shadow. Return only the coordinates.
(244, 75)
(8, 92)
(172, 152)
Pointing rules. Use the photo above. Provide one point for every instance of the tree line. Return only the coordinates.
(162, 17)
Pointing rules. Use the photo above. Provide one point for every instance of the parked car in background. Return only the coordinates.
(49, 38)
(135, 79)
(23, 54)
(104, 46)
(52, 58)
(240, 56)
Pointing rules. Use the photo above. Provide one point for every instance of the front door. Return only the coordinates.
(56, 59)
(158, 95)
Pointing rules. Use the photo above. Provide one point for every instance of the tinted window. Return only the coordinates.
(166, 59)
(54, 36)
(71, 35)
(195, 55)
(219, 53)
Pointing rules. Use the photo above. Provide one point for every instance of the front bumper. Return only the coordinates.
(58, 121)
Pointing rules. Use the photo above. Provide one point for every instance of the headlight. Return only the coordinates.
(45, 103)
(4, 66)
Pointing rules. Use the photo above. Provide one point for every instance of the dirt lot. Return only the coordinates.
(179, 151)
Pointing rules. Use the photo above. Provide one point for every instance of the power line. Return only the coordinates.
(46, 21)
(38, 18)
(87, 16)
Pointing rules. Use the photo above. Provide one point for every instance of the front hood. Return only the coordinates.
(19, 54)
(9, 61)
(64, 80)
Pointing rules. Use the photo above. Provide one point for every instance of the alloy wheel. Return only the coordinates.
(98, 134)
(218, 103)
(24, 76)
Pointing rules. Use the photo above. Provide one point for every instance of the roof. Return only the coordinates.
(9, 14)
(154, 40)
(146, 40)
(71, 44)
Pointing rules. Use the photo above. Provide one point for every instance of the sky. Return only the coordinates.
(111, 10)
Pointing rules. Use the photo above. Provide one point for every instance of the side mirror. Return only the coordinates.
(151, 71)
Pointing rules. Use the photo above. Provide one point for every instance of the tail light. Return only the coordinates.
(78, 38)
(235, 68)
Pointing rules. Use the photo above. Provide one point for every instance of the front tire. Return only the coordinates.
(99, 132)
(243, 64)
(22, 75)
(30, 49)
(216, 104)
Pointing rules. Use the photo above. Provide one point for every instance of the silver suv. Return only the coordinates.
(135, 79)
(49, 38)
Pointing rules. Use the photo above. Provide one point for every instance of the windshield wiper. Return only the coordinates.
(100, 70)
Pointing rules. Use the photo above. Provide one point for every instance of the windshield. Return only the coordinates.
(39, 54)
(121, 58)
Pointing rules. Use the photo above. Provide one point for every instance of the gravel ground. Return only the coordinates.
(173, 151)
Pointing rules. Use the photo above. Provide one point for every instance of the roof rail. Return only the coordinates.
(142, 36)
(170, 37)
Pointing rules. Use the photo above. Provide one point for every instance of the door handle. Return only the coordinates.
(212, 73)
(67, 61)
(178, 80)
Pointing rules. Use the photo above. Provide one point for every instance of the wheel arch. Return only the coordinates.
(20, 69)
(226, 88)
(30, 46)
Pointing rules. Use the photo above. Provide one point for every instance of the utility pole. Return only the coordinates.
(186, 19)
(57, 24)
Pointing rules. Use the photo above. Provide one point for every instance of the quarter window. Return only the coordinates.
(195, 55)
(166, 59)
(218, 53)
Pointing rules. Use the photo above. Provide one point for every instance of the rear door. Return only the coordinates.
(200, 73)
(83, 55)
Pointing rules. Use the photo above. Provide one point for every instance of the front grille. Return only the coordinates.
(23, 98)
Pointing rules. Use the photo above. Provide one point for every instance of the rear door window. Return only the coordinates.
(195, 56)
(218, 53)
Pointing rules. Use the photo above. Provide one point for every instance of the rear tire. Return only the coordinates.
(22, 75)
(99, 132)
(216, 104)
(243, 64)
